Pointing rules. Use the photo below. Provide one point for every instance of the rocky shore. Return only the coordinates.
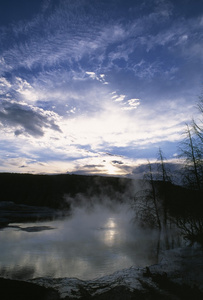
(11, 212)
(179, 275)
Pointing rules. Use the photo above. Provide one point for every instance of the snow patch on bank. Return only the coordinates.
(72, 286)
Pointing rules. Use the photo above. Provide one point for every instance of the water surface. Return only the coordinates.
(86, 245)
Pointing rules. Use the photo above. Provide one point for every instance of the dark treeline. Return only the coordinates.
(51, 190)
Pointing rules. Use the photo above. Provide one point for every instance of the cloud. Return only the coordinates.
(131, 104)
(118, 98)
(48, 41)
(117, 162)
(26, 119)
(92, 75)
(65, 35)
(125, 104)
(100, 77)
(4, 85)
(95, 45)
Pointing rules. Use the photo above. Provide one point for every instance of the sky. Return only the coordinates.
(96, 86)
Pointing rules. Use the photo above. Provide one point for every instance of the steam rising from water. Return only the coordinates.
(88, 244)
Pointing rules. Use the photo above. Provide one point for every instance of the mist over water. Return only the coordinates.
(88, 244)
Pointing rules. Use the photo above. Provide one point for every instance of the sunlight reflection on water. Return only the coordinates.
(110, 232)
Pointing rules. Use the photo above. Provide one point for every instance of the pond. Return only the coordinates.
(86, 245)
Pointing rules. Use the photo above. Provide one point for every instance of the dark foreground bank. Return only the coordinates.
(19, 290)
(15, 290)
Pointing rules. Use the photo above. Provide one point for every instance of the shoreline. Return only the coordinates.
(179, 275)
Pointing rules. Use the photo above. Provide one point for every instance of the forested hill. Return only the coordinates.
(49, 190)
